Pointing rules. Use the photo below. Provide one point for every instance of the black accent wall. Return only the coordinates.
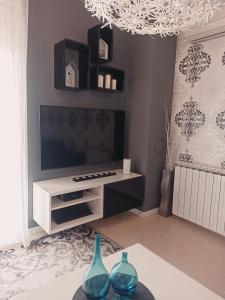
(50, 21)
(152, 62)
(149, 66)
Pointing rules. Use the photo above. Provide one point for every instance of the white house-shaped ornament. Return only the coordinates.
(72, 75)
(103, 49)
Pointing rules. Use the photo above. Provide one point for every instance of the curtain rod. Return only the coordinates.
(210, 37)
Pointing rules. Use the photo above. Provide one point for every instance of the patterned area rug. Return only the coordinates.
(47, 259)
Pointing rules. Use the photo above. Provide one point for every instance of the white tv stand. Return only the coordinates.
(96, 191)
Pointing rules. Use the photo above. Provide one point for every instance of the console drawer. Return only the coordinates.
(122, 196)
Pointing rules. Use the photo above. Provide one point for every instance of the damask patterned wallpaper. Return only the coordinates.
(198, 112)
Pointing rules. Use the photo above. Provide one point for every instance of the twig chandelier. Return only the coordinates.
(164, 17)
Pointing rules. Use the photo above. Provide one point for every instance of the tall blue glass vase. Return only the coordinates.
(123, 277)
(96, 280)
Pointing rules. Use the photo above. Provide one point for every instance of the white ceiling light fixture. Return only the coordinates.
(164, 17)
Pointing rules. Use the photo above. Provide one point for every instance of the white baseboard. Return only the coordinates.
(145, 214)
(36, 233)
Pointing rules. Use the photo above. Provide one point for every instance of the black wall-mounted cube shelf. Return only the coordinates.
(94, 35)
(82, 53)
(117, 74)
(80, 56)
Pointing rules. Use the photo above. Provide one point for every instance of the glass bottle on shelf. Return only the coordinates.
(96, 280)
(123, 277)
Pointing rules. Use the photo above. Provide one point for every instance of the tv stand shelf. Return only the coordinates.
(88, 196)
(56, 228)
(103, 197)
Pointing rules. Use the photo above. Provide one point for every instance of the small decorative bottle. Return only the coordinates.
(96, 279)
(123, 277)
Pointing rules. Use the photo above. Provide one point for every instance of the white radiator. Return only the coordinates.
(199, 196)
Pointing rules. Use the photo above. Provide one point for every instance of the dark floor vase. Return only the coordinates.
(166, 193)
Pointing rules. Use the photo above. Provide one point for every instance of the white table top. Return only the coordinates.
(66, 184)
(165, 281)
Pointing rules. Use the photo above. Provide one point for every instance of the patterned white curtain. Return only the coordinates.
(13, 120)
(198, 114)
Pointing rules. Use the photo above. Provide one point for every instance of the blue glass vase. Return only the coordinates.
(96, 280)
(123, 277)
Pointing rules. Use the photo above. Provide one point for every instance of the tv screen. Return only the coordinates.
(79, 136)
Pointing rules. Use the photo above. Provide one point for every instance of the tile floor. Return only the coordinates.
(194, 250)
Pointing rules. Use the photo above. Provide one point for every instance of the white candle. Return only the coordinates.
(126, 166)
(108, 81)
(114, 83)
(100, 81)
